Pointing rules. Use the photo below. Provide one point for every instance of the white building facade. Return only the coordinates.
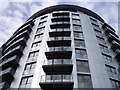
(62, 46)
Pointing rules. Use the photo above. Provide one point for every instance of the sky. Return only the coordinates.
(13, 13)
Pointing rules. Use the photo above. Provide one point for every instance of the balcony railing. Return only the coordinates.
(59, 49)
(57, 61)
(60, 23)
(17, 50)
(115, 45)
(59, 38)
(21, 41)
(60, 30)
(56, 78)
(10, 62)
(23, 34)
(7, 74)
(57, 66)
(61, 17)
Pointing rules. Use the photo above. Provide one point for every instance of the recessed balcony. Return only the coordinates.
(7, 74)
(58, 53)
(56, 81)
(115, 45)
(59, 41)
(60, 25)
(10, 62)
(58, 66)
(60, 13)
(60, 32)
(60, 18)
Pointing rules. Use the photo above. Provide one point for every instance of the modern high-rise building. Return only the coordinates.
(62, 46)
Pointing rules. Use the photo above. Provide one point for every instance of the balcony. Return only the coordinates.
(58, 66)
(59, 41)
(106, 26)
(56, 81)
(7, 74)
(18, 36)
(117, 54)
(30, 21)
(60, 25)
(111, 37)
(27, 27)
(115, 45)
(10, 62)
(59, 32)
(22, 41)
(15, 51)
(60, 18)
(58, 53)
(109, 31)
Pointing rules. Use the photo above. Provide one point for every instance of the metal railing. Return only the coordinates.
(56, 78)
(59, 49)
(59, 38)
(60, 29)
(57, 61)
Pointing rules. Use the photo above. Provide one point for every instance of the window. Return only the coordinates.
(80, 53)
(44, 17)
(84, 81)
(78, 34)
(95, 26)
(77, 27)
(98, 33)
(79, 43)
(104, 49)
(26, 82)
(35, 46)
(76, 16)
(111, 69)
(29, 68)
(101, 40)
(82, 66)
(76, 21)
(107, 58)
(94, 21)
(38, 38)
(115, 84)
(40, 30)
(42, 24)
(33, 56)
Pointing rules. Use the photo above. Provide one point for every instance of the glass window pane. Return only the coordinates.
(77, 27)
(81, 54)
(82, 66)
(84, 81)
(79, 43)
(29, 80)
(78, 34)
(24, 81)
(76, 16)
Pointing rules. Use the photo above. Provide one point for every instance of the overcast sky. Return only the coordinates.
(14, 14)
